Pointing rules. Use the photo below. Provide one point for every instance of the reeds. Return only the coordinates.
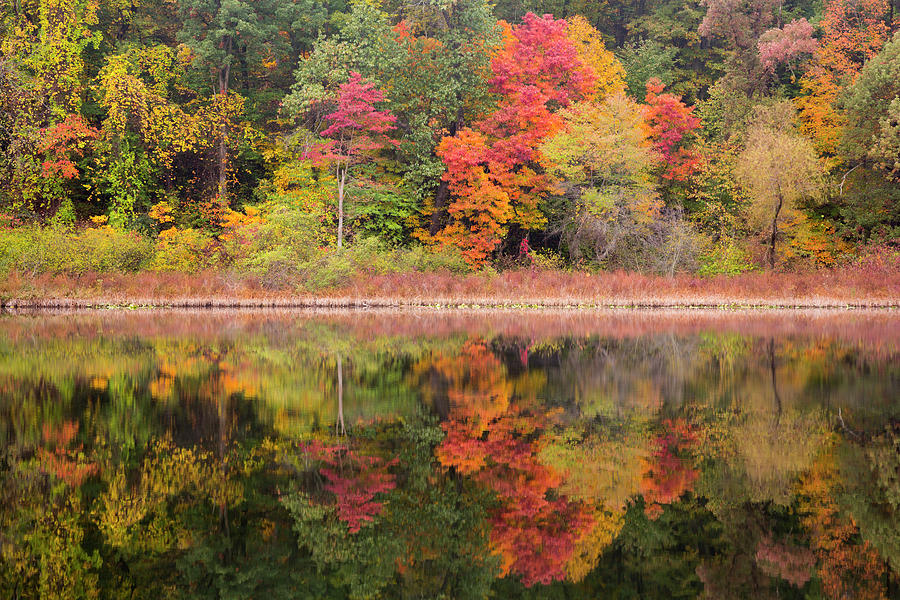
(860, 285)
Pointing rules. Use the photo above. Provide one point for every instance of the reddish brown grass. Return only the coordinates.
(874, 283)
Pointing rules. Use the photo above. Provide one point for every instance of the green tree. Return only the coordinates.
(225, 36)
(872, 111)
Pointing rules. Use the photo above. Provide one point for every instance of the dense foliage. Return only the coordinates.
(662, 136)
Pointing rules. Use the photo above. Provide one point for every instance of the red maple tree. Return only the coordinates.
(357, 131)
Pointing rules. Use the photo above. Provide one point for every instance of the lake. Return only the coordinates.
(458, 454)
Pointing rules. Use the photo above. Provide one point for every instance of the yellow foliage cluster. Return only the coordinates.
(236, 223)
(185, 250)
(50, 48)
(589, 548)
(161, 212)
(610, 72)
(165, 128)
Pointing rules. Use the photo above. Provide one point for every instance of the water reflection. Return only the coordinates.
(450, 455)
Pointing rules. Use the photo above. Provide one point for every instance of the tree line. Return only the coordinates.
(664, 136)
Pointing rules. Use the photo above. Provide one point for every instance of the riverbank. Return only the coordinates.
(859, 286)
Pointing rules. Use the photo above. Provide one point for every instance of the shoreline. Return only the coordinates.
(441, 304)
(854, 288)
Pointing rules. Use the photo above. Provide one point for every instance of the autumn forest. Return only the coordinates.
(303, 143)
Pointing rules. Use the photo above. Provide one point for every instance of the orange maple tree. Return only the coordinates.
(492, 167)
(64, 142)
(854, 32)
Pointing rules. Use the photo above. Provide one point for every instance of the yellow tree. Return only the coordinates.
(592, 52)
(780, 168)
(47, 43)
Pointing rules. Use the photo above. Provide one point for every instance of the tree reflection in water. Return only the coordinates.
(450, 455)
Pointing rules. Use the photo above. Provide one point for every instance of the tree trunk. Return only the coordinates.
(442, 195)
(342, 178)
(441, 198)
(621, 30)
(224, 77)
(224, 81)
(774, 232)
(774, 380)
(340, 391)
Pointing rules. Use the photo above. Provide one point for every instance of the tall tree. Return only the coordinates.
(224, 35)
(780, 167)
(440, 87)
(356, 133)
(854, 32)
(43, 44)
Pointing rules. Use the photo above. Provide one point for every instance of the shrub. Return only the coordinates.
(106, 249)
(448, 258)
(548, 260)
(371, 256)
(726, 258)
(34, 250)
(274, 241)
(184, 250)
(26, 249)
(331, 270)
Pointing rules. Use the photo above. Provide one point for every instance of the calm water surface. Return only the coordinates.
(450, 455)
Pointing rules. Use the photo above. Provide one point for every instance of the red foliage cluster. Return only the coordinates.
(63, 142)
(540, 56)
(356, 129)
(355, 480)
(737, 22)
(8, 221)
(669, 122)
(669, 474)
(854, 32)
(784, 45)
